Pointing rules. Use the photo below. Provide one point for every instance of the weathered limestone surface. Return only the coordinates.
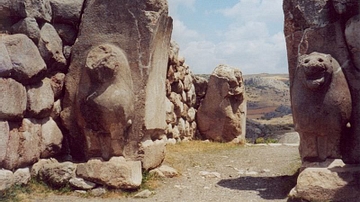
(29, 27)
(116, 173)
(138, 37)
(13, 99)
(222, 114)
(181, 98)
(6, 179)
(4, 138)
(40, 99)
(23, 145)
(57, 174)
(321, 104)
(22, 176)
(50, 47)
(26, 60)
(51, 138)
(66, 11)
(331, 180)
(154, 153)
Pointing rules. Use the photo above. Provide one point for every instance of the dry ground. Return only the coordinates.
(210, 172)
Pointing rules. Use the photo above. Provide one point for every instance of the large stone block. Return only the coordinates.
(29, 27)
(26, 60)
(134, 38)
(13, 99)
(39, 9)
(67, 11)
(51, 48)
(331, 180)
(23, 145)
(22, 176)
(40, 99)
(5, 61)
(51, 138)
(6, 179)
(4, 138)
(57, 174)
(222, 114)
(116, 173)
(154, 153)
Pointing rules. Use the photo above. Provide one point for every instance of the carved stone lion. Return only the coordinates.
(321, 104)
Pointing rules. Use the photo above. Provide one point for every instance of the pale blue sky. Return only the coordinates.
(247, 34)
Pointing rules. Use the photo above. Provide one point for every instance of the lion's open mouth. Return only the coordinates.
(315, 76)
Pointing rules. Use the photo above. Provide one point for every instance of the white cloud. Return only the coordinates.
(253, 41)
(183, 34)
(175, 4)
(255, 10)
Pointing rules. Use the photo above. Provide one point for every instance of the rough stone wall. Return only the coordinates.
(329, 27)
(181, 102)
(35, 42)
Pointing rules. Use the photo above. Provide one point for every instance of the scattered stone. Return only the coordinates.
(6, 179)
(165, 171)
(22, 176)
(97, 192)
(207, 174)
(116, 173)
(144, 194)
(154, 153)
(80, 191)
(82, 184)
(328, 183)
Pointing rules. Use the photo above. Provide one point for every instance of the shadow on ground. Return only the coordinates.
(269, 188)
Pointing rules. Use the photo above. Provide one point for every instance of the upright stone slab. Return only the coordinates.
(222, 114)
(115, 88)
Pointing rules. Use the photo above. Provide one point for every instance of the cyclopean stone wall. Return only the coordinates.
(34, 58)
(181, 98)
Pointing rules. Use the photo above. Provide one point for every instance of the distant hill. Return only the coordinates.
(267, 93)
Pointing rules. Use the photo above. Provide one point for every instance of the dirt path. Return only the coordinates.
(219, 172)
